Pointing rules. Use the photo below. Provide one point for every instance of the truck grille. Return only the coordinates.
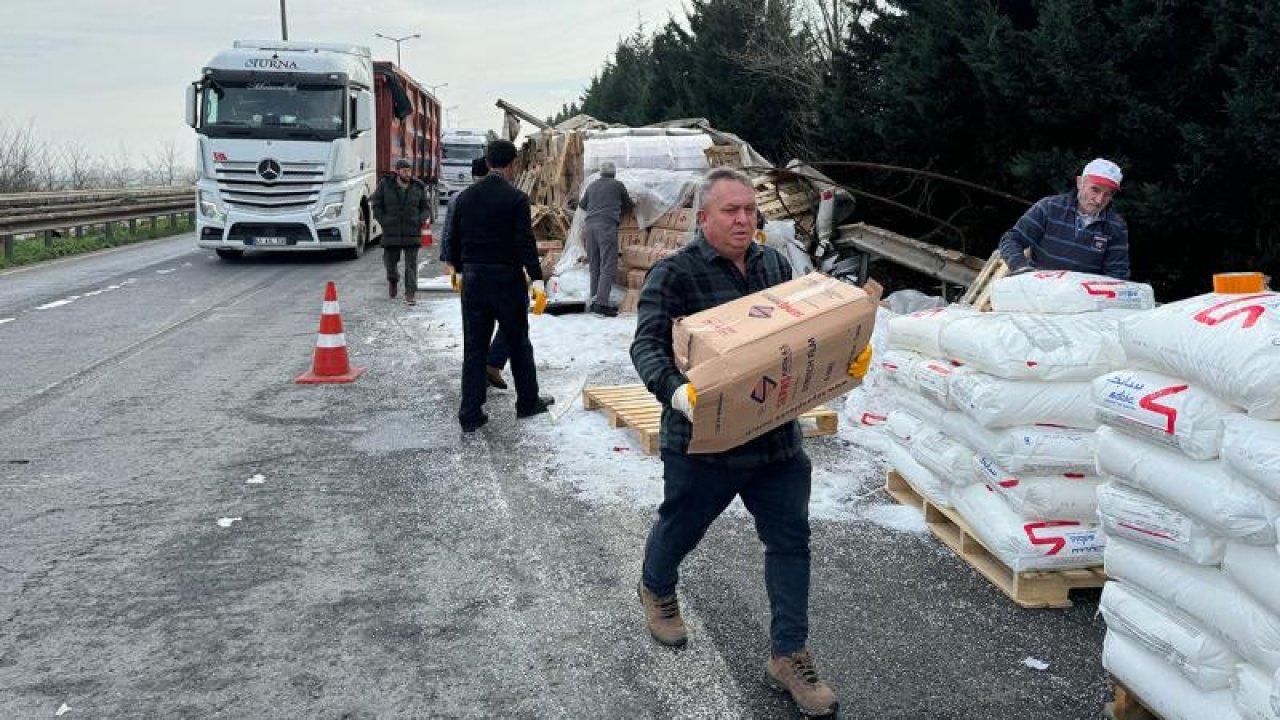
(297, 187)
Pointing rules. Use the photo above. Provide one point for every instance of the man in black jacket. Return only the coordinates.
(491, 246)
(401, 204)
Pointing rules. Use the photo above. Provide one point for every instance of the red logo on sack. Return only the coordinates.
(1148, 402)
(1251, 313)
(1055, 543)
(1097, 288)
(927, 312)
(762, 389)
(870, 419)
(760, 311)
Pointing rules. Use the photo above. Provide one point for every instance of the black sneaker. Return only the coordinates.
(475, 425)
(544, 403)
(604, 310)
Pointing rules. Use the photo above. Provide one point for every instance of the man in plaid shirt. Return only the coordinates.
(771, 473)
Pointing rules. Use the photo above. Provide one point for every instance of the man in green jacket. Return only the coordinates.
(401, 204)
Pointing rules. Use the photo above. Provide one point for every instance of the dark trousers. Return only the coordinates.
(498, 350)
(391, 261)
(602, 262)
(495, 293)
(695, 492)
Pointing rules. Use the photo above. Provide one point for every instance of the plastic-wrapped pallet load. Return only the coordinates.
(1163, 409)
(1130, 514)
(995, 402)
(1206, 490)
(1252, 691)
(920, 330)
(1253, 448)
(1019, 346)
(1205, 594)
(1160, 686)
(1199, 655)
(1022, 544)
(1061, 291)
(1067, 496)
(1224, 343)
(1028, 449)
(1256, 570)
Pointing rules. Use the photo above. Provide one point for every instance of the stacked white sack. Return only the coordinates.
(1064, 496)
(1161, 687)
(866, 407)
(903, 428)
(1024, 544)
(1061, 291)
(1224, 343)
(1252, 448)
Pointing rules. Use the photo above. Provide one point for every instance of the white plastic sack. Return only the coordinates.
(1252, 691)
(1205, 594)
(931, 486)
(1256, 569)
(895, 364)
(944, 456)
(781, 236)
(1167, 410)
(919, 373)
(1179, 640)
(903, 425)
(994, 402)
(1022, 346)
(1068, 496)
(1027, 449)
(1022, 544)
(1228, 344)
(1275, 693)
(1204, 489)
(1062, 291)
(1132, 515)
(1252, 447)
(918, 405)
(1160, 686)
(920, 330)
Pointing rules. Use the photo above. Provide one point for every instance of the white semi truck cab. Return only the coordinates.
(460, 148)
(286, 148)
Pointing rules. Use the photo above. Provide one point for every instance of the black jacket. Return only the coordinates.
(491, 225)
(401, 212)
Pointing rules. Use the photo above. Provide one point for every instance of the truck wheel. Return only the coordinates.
(227, 254)
(361, 231)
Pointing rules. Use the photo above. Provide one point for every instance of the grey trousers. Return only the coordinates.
(391, 261)
(602, 256)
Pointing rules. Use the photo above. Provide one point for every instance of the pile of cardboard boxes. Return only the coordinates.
(639, 249)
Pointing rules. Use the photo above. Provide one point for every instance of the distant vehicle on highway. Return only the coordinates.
(292, 137)
(460, 148)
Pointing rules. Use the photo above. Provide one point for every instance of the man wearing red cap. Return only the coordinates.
(1077, 231)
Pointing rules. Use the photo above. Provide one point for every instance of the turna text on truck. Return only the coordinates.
(292, 138)
(460, 148)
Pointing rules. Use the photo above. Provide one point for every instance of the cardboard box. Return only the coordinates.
(635, 279)
(643, 258)
(628, 220)
(678, 219)
(631, 237)
(662, 237)
(630, 301)
(762, 360)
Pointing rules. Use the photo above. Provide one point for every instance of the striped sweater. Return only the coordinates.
(1050, 229)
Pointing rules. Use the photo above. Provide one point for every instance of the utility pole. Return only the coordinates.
(397, 41)
(284, 22)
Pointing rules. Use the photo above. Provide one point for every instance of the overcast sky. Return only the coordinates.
(110, 74)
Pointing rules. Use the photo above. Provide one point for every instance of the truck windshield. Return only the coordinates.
(460, 154)
(274, 109)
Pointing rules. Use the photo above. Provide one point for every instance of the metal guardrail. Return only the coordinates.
(73, 212)
(949, 266)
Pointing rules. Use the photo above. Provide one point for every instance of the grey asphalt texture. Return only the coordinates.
(389, 567)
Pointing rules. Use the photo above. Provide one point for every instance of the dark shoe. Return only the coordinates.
(544, 403)
(494, 376)
(408, 299)
(475, 425)
(662, 615)
(391, 288)
(796, 674)
(604, 310)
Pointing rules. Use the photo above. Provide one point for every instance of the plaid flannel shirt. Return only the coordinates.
(690, 281)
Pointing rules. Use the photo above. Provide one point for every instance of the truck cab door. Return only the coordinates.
(362, 118)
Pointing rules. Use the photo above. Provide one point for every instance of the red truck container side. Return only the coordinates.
(415, 135)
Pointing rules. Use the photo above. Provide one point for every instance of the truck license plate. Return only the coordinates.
(271, 240)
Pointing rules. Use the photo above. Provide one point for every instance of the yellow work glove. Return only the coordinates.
(861, 364)
(538, 291)
(455, 281)
(684, 399)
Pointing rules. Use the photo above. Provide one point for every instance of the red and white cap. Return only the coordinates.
(1103, 172)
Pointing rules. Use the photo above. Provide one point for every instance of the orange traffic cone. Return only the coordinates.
(330, 364)
(427, 239)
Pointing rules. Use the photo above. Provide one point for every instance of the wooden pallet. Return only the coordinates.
(979, 293)
(1028, 589)
(635, 407)
(1126, 705)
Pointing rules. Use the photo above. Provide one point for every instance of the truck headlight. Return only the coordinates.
(209, 207)
(330, 208)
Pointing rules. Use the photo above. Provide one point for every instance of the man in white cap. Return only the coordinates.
(1077, 231)
(604, 202)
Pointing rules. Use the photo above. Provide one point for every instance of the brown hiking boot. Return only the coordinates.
(796, 674)
(662, 615)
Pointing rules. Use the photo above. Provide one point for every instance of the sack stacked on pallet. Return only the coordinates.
(1008, 392)
(1190, 449)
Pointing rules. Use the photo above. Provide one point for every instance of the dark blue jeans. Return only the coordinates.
(495, 294)
(695, 492)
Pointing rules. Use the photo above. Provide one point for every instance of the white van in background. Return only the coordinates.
(460, 148)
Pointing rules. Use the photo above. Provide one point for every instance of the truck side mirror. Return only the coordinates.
(191, 105)
(364, 113)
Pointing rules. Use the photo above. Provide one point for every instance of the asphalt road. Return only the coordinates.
(388, 567)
